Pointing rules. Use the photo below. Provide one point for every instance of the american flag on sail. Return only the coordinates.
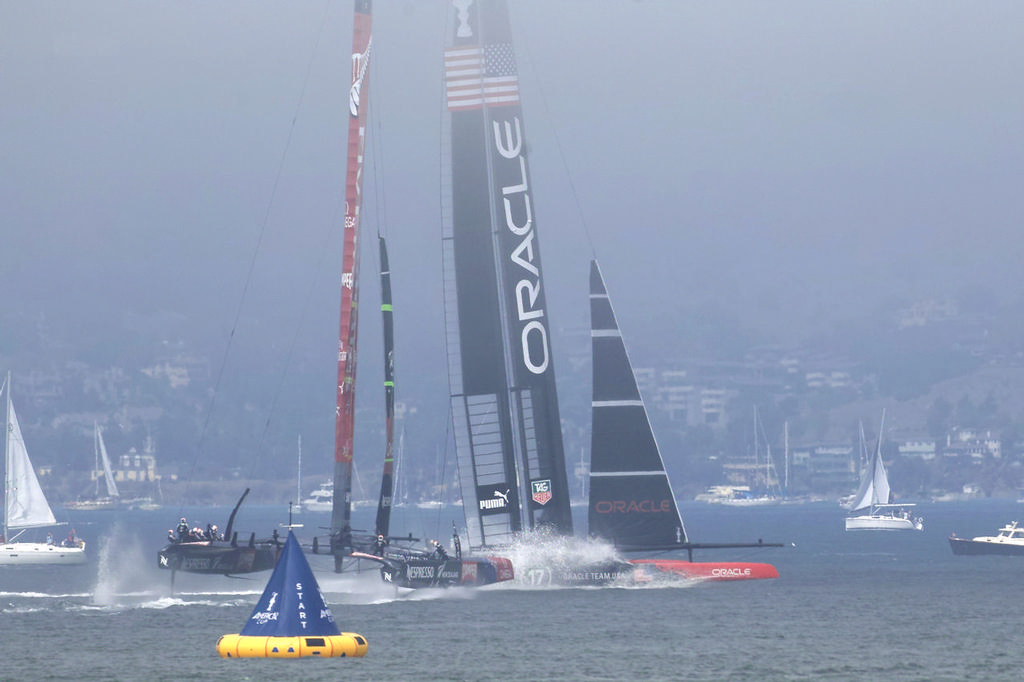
(481, 76)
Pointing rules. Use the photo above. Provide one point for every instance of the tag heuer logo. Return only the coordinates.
(541, 491)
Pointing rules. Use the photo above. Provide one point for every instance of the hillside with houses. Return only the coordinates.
(950, 378)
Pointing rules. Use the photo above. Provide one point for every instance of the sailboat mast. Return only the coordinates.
(341, 514)
(786, 453)
(387, 313)
(96, 458)
(7, 453)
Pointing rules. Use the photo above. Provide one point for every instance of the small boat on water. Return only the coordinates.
(873, 496)
(25, 506)
(321, 499)
(97, 502)
(1009, 542)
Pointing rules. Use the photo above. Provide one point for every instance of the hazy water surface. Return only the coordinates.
(848, 606)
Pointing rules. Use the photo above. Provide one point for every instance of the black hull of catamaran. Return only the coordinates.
(218, 558)
(416, 572)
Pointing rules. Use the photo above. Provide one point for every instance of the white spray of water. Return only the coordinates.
(539, 557)
(125, 572)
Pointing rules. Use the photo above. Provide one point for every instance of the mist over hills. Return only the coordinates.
(755, 185)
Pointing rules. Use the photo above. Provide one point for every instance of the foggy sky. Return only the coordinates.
(788, 162)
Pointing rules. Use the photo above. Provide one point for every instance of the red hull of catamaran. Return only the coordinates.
(712, 570)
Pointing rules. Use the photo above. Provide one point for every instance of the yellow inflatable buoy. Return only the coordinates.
(346, 644)
(291, 619)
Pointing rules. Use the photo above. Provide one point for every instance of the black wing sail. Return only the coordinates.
(383, 524)
(631, 501)
(504, 404)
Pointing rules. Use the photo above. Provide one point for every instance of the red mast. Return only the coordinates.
(341, 529)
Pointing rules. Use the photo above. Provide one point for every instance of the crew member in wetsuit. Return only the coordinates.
(183, 531)
(378, 546)
(439, 552)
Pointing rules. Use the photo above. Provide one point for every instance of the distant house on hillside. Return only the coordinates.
(917, 447)
(972, 444)
(137, 467)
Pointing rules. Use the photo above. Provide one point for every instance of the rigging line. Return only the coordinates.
(303, 314)
(558, 145)
(444, 467)
(303, 317)
(252, 261)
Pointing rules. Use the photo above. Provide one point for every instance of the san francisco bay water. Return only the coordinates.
(847, 606)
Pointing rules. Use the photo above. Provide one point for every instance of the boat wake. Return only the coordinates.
(543, 561)
(43, 595)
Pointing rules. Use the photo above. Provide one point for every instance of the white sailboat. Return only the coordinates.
(113, 498)
(767, 494)
(25, 506)
(872, 499)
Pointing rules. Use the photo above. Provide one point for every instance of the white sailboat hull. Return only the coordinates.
(751, 501)
(882, 522)
(99, 504)
(40, 554)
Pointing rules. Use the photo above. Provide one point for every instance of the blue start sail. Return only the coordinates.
(291, 605)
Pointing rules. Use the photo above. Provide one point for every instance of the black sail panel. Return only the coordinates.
(504, 402)
(479, 386)
(631, 501)
(476, 349)
(384, 500)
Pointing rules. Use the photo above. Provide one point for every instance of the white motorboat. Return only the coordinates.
(321, 499)
(1009, 542)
